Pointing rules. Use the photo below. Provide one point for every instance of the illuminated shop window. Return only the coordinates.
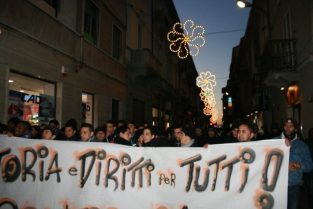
(31, 99)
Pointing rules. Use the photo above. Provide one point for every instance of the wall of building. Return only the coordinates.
(37, 44)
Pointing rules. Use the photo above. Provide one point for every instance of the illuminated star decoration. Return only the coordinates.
(206, 81)
(186, 39)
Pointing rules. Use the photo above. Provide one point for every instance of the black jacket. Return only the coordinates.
(119, 140)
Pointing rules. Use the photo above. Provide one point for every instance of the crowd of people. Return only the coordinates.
(179, 135)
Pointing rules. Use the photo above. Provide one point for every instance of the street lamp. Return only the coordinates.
(266, 12)
(243, 4)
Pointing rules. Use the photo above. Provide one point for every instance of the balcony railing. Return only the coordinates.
(279, 56)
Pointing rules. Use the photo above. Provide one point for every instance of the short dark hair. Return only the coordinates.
(293, 121)
(99, 129)
(110, 121)
(152, 129)
(53, 130)
(188, 132)
(26, 124)
(55, 122)
(248, 124)
(71, 123)
(87, 125)
(177, 125)
(121, 129)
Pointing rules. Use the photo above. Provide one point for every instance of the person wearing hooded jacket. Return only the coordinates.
(299, 161)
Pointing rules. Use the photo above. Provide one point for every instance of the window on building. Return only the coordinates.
(91, 22)
(115, 109)
(117, 43)
(87, 108)
(31, 99)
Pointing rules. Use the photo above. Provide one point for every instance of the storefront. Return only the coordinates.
(31, 99)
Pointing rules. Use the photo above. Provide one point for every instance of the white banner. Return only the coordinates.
(45, 174)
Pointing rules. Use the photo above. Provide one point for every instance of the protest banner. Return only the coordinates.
(72, 175)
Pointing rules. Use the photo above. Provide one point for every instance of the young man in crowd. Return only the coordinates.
(110, 128)
(122, 136)
(70, 133)
(245, 132)
(49, 133)
(299, 161)
(23, 129)
(86, 132)
(55, 125)
(99, 135)
(150, 138)
(184, 137)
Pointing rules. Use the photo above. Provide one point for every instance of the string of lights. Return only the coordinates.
(186, 39)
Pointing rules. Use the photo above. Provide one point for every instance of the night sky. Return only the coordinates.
(215, 16)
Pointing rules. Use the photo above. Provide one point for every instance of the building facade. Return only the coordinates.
(91, 60)
(161, 86)
(271, 71)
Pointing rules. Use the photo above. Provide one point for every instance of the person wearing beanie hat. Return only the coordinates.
(299, 161)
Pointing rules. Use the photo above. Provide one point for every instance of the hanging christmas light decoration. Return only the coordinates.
(204, 94)
(186, 39)
(206, 81)
(207, 111)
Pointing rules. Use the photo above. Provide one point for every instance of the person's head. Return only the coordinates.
(72, 122)
(211, 132)
(54, 123)
(198, 131)
(132, 127)
(234, 132)
(100, 134)
(48, 133)
(86, 131)
(69, 130)
(110, 127)
(121, 123)
(36, 132)
(245, 132)
(148, 134)
(290, 128)
(22, 128)
(12, 123)
(177, 130)
(123, 132)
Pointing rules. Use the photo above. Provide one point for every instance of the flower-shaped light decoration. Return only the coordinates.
(206, 81)
(207, 111)
(204, 94)
(186, 39)
(210, 102)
